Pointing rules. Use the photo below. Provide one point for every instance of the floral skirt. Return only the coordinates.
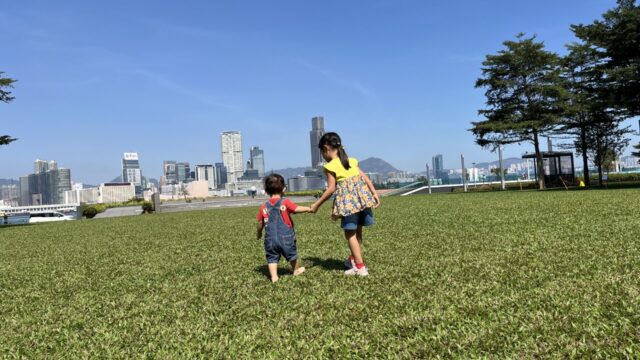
(352, 196)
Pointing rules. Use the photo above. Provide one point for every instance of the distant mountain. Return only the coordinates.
(377, 165)
(150, 180)
(9, 182)
(506, 163)
(374, 165)
(290, 172)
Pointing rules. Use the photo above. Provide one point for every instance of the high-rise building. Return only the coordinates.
(60, 181)
(206, 173)
(220, 175)
(183, 171)
(53, 165)
(10, 192)
(131, 172)
(438, 166)
(44, 187)
(25, 193)
(170, 172)
(256, 161)
(317, 130)
(40, 166)
(231, 143)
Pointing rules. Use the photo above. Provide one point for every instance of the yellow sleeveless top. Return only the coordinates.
(335, 166)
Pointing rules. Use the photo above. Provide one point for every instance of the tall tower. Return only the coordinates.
(438, 166)
(40, 166)
(231, 143)
(317, 130)
(170, 172)
(257, 160)
(131, 172)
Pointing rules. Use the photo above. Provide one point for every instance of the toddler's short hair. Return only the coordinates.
(274, 184)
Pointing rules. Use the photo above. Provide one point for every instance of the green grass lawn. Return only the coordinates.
(521, 275)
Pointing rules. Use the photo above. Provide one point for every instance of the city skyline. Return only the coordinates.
(407, 85)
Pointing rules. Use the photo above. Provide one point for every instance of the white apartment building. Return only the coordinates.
(232, 157)
(82, 196)
(206, 173)
(114, 193)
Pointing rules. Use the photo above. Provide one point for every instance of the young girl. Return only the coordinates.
(355, 197)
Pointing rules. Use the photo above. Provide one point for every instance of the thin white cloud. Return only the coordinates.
(168, 84)
(459, 58)
(161, 26)
(340, 80)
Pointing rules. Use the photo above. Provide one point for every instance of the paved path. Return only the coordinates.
(225, 203)
(120, 211)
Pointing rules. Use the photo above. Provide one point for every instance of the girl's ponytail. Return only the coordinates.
(333, 141)
(344, 159)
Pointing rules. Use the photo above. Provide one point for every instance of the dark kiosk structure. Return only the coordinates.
(559, 169)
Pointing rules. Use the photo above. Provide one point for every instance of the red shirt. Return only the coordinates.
(289, 208)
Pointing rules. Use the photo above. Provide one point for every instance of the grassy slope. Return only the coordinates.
(496, 274)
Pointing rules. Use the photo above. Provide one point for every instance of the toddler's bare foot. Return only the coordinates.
(299, 271)
(275, 279)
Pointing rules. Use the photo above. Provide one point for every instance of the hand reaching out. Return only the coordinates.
(377, 199)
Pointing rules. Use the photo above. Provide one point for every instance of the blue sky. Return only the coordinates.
(394, 78)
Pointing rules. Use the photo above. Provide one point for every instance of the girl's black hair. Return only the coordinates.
(333, 141)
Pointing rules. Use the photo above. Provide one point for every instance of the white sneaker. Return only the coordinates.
(354, 271)
(349, 263)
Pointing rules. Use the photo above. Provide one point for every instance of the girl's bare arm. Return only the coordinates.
(372, 188)
(331, 188)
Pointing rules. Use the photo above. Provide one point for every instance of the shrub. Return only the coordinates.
(147, 207)
(90, 212)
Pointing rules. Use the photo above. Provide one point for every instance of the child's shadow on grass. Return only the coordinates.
(308, 262)
(264, 270)
(326, 264)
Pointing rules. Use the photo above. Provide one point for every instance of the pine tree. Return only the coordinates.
(5, 96)
(636, 153)
(616, 38)
(525, 97)
(606, 142)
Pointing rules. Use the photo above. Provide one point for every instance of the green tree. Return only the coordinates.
(616, 38)
(496, 171)
(5, 96)
(184, 191)
(636, 153)
(525, 96)
(606, 142)
(582, 78)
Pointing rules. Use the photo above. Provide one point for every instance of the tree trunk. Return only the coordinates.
(539, 161)
(585, 156)
(599, 160)
(600, 176)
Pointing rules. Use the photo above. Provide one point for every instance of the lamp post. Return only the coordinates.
(502, 183)
(464, 174)
(428, 179)
(473, 172)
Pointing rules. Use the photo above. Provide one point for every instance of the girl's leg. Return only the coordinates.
(354, 245)
(359, 234)
(273, 270)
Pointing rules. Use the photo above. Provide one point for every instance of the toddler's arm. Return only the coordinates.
(302, 209)
(260, 227)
